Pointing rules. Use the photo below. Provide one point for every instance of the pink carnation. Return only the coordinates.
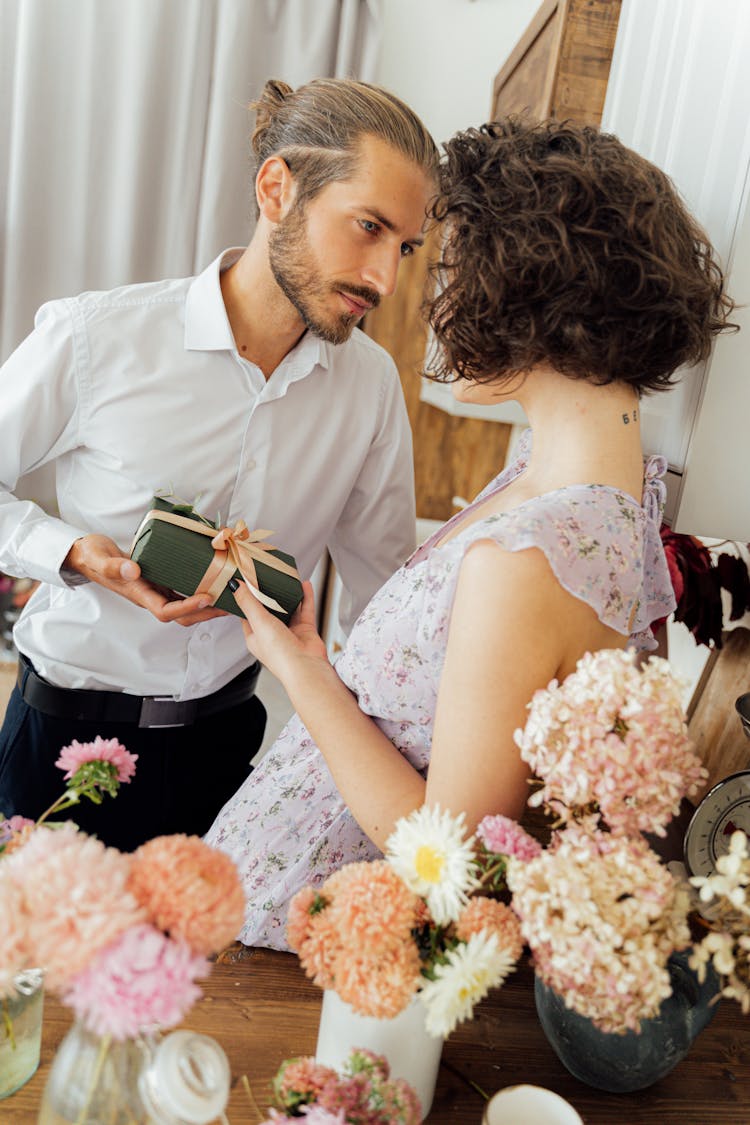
(504, 836)
(75, 898)
(100, 750)
(139, 984)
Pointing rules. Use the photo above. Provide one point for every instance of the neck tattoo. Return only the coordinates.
(630, 416)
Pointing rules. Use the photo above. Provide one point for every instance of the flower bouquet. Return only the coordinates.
(363, 1094)
(379, 932)
(406, 946)
(120, 938)
(605, 919)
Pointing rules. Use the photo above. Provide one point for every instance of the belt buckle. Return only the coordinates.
(163, 711)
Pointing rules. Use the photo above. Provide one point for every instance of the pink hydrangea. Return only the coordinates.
(100, 750)
(140, 983)
(504, 836)
(601, 915)
(14, 944)
(74, 896)
(613, 736)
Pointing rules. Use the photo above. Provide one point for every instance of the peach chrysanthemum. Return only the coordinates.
(381, 984)
(190, 890)
(319, 951)
(299, 917)
(75, 898)
(486, 914)
(371, 906)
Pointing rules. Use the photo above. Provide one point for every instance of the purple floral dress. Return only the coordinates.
(287, 826)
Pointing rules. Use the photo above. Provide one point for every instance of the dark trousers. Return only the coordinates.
(183, 776)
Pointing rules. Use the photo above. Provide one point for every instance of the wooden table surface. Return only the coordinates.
(262, 1009)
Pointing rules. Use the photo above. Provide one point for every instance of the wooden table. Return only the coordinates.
(262, 1009)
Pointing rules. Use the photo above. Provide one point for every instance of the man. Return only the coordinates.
(246, 387)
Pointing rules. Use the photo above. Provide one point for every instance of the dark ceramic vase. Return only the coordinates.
(623, 1063)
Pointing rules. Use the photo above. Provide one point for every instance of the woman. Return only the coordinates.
(574, 280)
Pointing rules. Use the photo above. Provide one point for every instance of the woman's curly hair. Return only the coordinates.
(565, 247)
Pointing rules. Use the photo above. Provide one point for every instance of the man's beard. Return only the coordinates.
(299, 279)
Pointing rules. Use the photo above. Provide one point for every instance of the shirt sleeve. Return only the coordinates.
(39, 411)
(376, 532)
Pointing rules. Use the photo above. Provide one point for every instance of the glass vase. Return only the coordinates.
(411, 1052)
(93, 1081)
(21, 1031)
(625, 1063)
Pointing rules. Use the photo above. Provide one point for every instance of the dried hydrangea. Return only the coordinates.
(727, 945)
(601, 915)
(612, 737)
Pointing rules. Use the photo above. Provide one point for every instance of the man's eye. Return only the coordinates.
(369, 226)
(406, 250)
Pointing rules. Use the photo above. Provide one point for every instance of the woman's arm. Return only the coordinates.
(512, 629)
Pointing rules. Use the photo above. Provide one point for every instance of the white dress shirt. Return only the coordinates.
(141, 389)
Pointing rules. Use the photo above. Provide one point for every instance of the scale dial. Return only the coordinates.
(723, 810)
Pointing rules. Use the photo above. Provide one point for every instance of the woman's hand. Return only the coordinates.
(279, 646)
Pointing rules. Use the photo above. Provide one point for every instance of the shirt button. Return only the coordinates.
(250, 464)
(205, 637)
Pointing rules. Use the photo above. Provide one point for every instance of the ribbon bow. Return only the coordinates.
(237, 548)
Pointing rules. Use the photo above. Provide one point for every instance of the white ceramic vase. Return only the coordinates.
(411, 1052)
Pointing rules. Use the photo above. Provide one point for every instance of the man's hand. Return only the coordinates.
(100, 560)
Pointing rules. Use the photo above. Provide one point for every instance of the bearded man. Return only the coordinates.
(248, 385)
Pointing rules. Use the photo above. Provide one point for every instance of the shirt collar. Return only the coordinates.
(207, 325)
(206, 322)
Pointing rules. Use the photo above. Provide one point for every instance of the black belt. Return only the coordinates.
(119, 707)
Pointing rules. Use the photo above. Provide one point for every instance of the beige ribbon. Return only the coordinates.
(235, 548)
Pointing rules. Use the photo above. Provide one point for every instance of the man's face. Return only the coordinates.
(336, 257)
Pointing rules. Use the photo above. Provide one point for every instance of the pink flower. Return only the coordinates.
(317, 1115)
(14, 831)
(140, 983)
(74, 896)
(191, 891)
(14, 943)
(504, 836)
(100, 750)
(612, 736)
(301, 1080)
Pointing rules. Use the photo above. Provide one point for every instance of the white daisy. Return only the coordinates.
(428, 851)
(472, 970)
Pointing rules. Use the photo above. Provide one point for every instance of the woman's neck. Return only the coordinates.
(582, 433)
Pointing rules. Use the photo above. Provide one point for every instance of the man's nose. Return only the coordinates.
(381, 270)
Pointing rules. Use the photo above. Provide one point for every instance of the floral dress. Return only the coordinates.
(287, 825)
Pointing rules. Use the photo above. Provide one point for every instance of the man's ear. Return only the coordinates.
(275, 189)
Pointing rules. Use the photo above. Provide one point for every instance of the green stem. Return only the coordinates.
(103, 1049)
(8, 1024)
(60, 804)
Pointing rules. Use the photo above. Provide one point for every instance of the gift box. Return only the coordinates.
(173, 554)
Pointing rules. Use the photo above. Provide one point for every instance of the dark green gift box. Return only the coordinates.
(176, 558)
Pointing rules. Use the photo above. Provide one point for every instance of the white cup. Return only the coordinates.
(529, 1105)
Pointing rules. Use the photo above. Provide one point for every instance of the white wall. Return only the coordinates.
(441, 56)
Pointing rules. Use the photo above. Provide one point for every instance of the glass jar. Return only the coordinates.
(21, 1031)
(186, 1081)
(94, 1079)
(182, 1079)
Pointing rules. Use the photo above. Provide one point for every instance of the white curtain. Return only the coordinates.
(124, 131)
